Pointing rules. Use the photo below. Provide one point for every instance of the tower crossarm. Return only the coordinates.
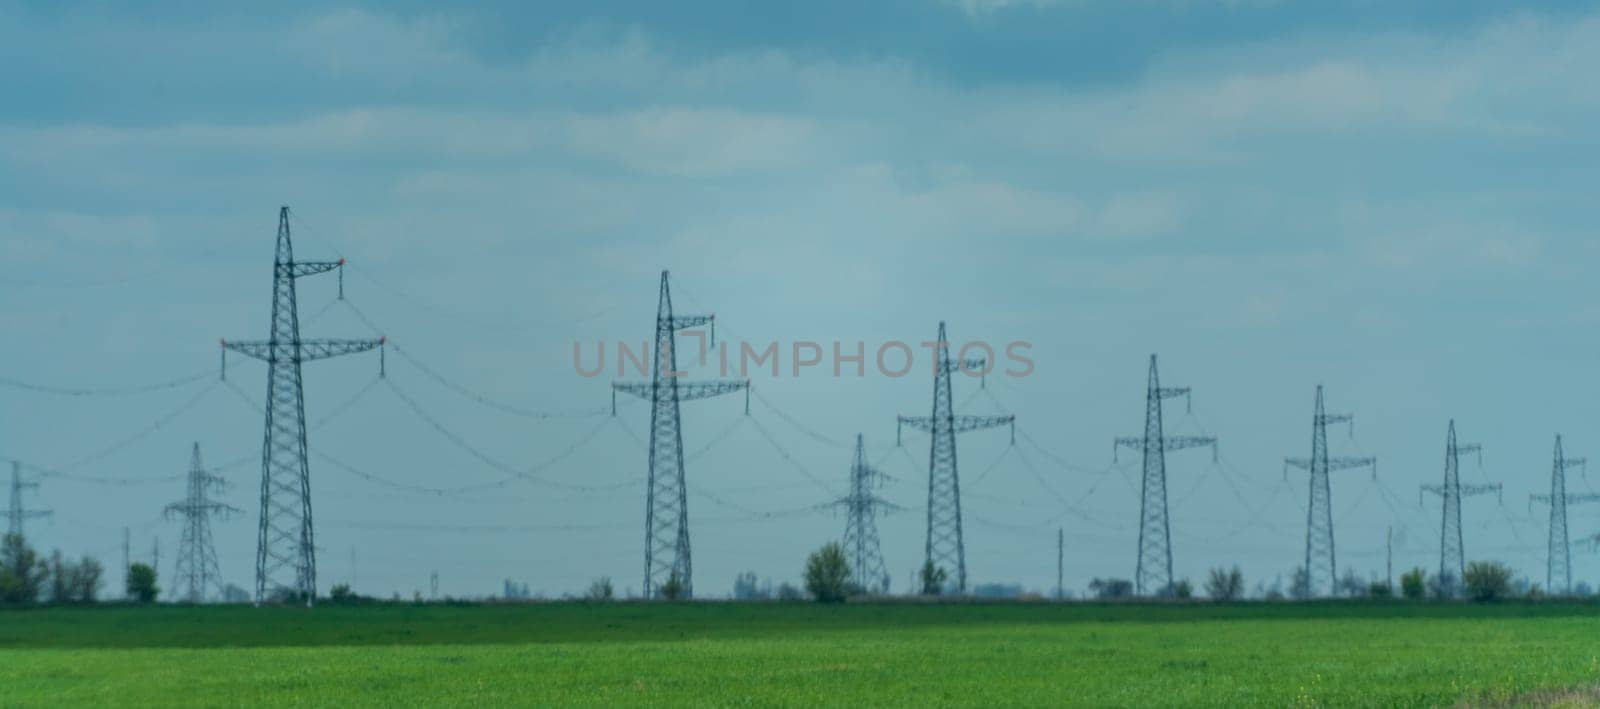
(1171, 443)
(1572, 499)
(684, 322)
(299, 269)
(959, 424)
(1570, 463)
(309, 351)
(687, 391)
(207, 508)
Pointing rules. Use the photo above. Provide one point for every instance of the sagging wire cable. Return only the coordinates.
(467, 393)
(143, 433)
(793, 462)
(820, 438)
(109, 392)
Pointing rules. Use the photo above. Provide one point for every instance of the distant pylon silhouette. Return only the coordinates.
(1452, 550)
(1321, 565)
(666, 519)
(196, 572)
(286, 556)
(861, 526)
(1558, 565)
(945, 547)
(1154, 570)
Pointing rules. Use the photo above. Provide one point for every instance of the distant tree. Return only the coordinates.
(790, 592)
(22, 572)
(1350, 585)
(1181, 589)
(933, 579)
(747, 588)
(1413, 584)
(1300, 584)
(827, 574)
(1225, 584)
(142, 582)
(60, 575)
(601, 590)
(1487, 581)
(672, 589)
(1111, 589)
(1582, 589)
(233, 593)
(74, 581)
(1380, 589)
(341, 595)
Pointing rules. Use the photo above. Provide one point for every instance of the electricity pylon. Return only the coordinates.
(1558, 566)
(666, 515)
(196, 570)
(286, 556)
(1320, 562)
(18, 510)
(1452, 552)
(861, 526)
(945, 547)
(1154, 570)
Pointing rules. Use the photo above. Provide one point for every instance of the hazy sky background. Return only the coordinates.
(1392, 199)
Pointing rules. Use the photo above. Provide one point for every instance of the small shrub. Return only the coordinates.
(827, 574)
(1111, 589)
(142, 583)
(789, 592)
(1380, 589)
(933, 579)
(1182, 590)
(1225, 584)
(600, 590)
(672, 589)
(1487, 581)
(1413, 584)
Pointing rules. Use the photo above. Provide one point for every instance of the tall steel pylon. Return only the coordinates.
(1321, 565)
(196, 571)
(861, 525)
(18, 511)
(286, 556)
(945, 547)
(1558, 565)
(1154, 570)
(1452, 551)
(666, 517)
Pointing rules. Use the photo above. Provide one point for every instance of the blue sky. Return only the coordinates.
(1391, 199)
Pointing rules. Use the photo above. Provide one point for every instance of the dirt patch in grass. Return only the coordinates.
(1567, 698)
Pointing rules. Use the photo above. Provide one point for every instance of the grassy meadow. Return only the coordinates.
(721, 654)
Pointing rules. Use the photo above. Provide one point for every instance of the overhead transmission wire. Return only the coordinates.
(427, 306)
(109, 392)
(713, 497)
(465, 392)
(794, 423)
(167, 418)
(513, 474)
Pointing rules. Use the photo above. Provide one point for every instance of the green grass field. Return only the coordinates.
(780, 654)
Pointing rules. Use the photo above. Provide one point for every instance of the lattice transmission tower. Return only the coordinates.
(18, 511)
(945, 547)
(1452, 551)
(1321, 564)
(1558, 566)
(861, 526)
(286, 556)
(196, 571)
(1154, 569)
(666, 516)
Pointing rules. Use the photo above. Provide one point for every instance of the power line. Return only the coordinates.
(108, 392)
